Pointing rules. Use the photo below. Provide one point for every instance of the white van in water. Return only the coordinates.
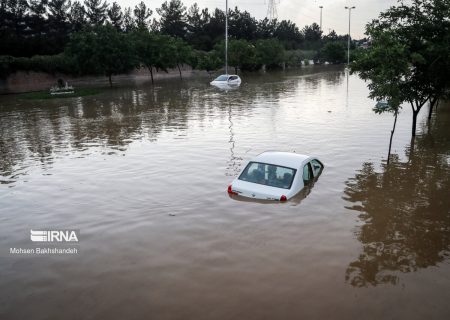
(274, 175)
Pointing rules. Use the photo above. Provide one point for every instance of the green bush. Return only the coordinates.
(269, 52)
(333, 52)
(294, 58)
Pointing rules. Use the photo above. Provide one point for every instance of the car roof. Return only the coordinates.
(285, 159)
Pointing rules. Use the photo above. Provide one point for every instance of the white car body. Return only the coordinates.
(226, 80)
(306, 169)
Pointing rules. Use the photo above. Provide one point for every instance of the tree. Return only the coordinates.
(197, 23)
(115, 16)
(386, 66)
(173, 18)
(182, 53)
(420, 34)
(333, 52)
(241, 54)
(77, 16)
(312, 33)
(242, 25)
(58, 11)
(128, 21)
(269, 52)
(215, 28)
(101, 50)
(208, 61)
(288, 33)
(58, 20)
(266, 28)
(14, 18)
(148, 48)
(141, 15)
(96, 11)
(36, 27)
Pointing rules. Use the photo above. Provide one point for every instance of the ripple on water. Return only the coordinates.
(143, 171)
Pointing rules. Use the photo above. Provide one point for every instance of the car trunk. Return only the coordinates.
(257, 191)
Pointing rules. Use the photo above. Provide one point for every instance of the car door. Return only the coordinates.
(308, 174)
(316, 167)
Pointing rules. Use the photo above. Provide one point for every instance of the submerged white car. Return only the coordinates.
(276, 176)
(226, 79)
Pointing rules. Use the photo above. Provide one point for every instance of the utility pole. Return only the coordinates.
(272, 10)
(226, 37)
(348, 44)
(321, 7)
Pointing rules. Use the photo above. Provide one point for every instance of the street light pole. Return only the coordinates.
(321, 7)
(226, 37)
(348, 44)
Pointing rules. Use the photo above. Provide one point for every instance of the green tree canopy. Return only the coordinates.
(333, 52)
(141, 15)
(115, 15)
(408, 60)
(101, 50)
(96, 11)
(77, 16)
(241, 54)
(173, 18)
(269, 52)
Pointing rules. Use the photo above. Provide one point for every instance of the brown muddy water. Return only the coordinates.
(142, 174)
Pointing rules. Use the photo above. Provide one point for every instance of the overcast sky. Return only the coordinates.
(302, 12)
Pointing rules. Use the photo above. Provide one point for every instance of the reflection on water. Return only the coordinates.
(404, 210)
(115, 121)
(235, 162)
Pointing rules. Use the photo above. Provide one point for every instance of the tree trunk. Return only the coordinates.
(416, 110)
(179, 70)
(151, 74)
(235, 70)
(432, 103)
(110, 80)
(414, 123)
(392, 134)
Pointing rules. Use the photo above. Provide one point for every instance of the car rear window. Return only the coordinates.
(268, 174)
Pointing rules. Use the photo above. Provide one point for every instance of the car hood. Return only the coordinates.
(257, 191)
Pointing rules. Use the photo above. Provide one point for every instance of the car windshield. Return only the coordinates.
(268, 174)
(221, 78)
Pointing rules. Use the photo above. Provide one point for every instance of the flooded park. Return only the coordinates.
(142, 172)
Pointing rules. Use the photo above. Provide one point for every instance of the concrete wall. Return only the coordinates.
(24, 81)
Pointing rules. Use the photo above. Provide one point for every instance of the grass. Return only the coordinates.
(45, 95)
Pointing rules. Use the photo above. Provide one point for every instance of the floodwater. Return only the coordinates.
(142, 173)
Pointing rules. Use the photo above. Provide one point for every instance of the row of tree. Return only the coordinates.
(44, 27)
(103, 50)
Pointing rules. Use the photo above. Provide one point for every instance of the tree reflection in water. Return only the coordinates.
(405, 211)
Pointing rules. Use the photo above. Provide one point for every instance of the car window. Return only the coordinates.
(307, 173)
(233, 78)
(268, 174)
(221, 78)
(316, 167)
